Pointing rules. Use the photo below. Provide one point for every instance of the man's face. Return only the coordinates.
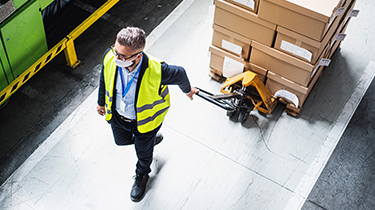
(125, 53)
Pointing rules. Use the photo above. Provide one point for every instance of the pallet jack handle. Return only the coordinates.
(218, 102)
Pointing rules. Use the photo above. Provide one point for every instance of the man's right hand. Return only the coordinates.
(101, 110)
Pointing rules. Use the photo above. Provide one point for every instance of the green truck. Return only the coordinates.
(22, 37)
(23, 43)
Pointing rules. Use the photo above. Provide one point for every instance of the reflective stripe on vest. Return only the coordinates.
(152, 105)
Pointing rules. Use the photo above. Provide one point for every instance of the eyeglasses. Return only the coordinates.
(122, 57)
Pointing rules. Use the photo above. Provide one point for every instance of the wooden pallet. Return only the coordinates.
(216, 75)
(290, 108)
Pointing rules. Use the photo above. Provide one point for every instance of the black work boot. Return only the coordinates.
(139, 187)
(159, 138)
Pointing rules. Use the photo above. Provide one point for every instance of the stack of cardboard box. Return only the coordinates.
(286, 42)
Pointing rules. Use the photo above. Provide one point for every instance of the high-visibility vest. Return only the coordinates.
(152, 99)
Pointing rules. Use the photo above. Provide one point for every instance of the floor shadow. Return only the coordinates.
(157, 165)
(331, 91)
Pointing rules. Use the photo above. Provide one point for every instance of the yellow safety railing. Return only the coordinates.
(65, 44)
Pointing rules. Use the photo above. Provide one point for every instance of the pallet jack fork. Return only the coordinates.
(242, 94)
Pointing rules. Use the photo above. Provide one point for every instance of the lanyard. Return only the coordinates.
(126, 90)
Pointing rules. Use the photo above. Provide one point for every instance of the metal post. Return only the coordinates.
(65, 44)
(71, 55)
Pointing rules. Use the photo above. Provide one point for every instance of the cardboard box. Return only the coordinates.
(285, 65)
(244, 22)
(276, 82)
(251, 5)
(304, 47)
(226, 63)
(309, 18)
(220, 61)
(298, 45)
(261, 72)
(231, 42)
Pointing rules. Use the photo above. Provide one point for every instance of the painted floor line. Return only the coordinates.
(316, 167)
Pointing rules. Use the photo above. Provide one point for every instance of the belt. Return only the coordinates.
(127, 119)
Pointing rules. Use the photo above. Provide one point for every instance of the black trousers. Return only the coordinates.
(126, 133)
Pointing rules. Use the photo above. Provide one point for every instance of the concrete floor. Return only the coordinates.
(206, 161)
(347, 181)
(49, 97)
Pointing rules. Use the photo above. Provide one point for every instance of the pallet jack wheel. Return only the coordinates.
(230, 113)
(243, 115)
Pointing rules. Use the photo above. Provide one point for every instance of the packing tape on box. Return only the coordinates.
(298, 42)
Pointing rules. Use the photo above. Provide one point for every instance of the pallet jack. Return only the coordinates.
(245, 92)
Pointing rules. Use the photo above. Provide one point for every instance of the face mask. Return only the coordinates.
(124, 64)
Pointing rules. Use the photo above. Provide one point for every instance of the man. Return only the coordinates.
(134, 98)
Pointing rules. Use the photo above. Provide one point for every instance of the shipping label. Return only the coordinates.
(296, 50)
(231, 47)
(354, 13)
(338, 12)
(232, 67)
(248, 3)
(322, 62)
(339, 37)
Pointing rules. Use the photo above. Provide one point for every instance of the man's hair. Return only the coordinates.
(132, 37)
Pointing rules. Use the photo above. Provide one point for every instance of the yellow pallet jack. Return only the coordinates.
(246, 92)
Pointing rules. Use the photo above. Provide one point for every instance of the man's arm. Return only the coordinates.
(101, 91)
(176, 75)
(101, 95)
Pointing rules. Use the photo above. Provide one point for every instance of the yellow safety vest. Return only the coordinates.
(152, 98)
